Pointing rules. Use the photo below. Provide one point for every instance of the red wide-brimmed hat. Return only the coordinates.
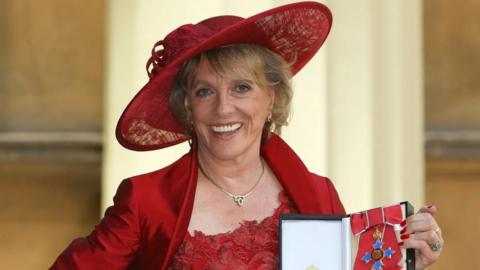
(295, 32)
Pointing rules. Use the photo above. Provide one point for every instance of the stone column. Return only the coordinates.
(375, 102)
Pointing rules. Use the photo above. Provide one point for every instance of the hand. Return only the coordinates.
(422, 233)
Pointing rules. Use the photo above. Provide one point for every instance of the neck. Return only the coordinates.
(234, 175)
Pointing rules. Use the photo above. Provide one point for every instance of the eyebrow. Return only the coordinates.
(200, 82)
(203, 82)
(244, 80)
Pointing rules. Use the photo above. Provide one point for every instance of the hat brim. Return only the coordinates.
(295, 32)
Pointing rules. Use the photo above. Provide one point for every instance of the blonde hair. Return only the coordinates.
(267, 68)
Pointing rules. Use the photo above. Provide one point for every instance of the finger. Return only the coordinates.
(430, 237)
(431, 209)
(422, 226)
(423, 248)
(421, 222)
(420, 216)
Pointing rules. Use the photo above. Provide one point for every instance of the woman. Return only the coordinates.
(224, 85)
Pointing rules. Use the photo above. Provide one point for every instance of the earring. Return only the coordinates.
(267, 128)
(190, 130)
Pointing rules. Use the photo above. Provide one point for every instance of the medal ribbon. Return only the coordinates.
(366, 225)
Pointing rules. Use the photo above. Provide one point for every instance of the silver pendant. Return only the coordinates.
(239, 199)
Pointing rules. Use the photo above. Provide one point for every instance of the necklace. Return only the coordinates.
(237, 198)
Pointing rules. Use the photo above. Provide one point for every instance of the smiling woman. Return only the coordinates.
(242, 63)
(227, 112)
(224, 84)
(233, 100)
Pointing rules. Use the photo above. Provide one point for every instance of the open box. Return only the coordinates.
(322, 242)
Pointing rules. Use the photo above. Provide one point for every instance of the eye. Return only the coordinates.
(203, 92)
(242, 87)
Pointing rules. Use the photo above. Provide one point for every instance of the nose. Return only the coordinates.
(225, 105)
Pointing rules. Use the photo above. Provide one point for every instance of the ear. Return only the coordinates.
(271, 93)
(186, 104)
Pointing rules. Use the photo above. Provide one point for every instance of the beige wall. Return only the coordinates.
(452, 59)
(51, 94)
(51, 65)
(375, 102)
(452, 109)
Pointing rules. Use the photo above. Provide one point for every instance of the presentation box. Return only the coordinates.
(322, 242)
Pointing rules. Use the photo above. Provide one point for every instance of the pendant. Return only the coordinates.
(238, 199)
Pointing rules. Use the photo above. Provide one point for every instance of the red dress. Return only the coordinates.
(151, 212)
(251, 246)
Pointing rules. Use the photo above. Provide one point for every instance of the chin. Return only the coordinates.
(234, 149)
(229, 152)
(231, 146)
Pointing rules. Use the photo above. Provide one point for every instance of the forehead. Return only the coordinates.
(225, 69)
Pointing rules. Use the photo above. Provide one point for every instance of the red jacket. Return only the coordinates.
(151, 212)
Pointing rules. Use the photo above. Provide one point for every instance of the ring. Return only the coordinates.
(437, 231)
(436, 247)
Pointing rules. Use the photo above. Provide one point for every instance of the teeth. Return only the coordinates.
(226, 128)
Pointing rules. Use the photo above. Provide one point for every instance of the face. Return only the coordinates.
(228, 113)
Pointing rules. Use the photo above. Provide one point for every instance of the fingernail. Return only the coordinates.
(403, 223)
(403, 230)
(400, 243)
(405, 236)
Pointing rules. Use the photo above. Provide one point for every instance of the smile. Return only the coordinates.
(226, 128)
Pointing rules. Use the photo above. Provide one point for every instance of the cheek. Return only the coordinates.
(198, 111)
(265, 105)
(258, 113)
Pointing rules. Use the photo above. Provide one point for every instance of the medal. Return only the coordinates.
(378, 253)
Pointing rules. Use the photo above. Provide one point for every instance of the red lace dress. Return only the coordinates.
(251, 246)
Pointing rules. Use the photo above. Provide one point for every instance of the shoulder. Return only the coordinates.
(160, 188)
(326, 189)
(174, 172)
(323, 181)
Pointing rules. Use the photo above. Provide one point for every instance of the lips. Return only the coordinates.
(226, 128)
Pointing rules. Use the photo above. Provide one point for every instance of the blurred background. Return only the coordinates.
(389, 109)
